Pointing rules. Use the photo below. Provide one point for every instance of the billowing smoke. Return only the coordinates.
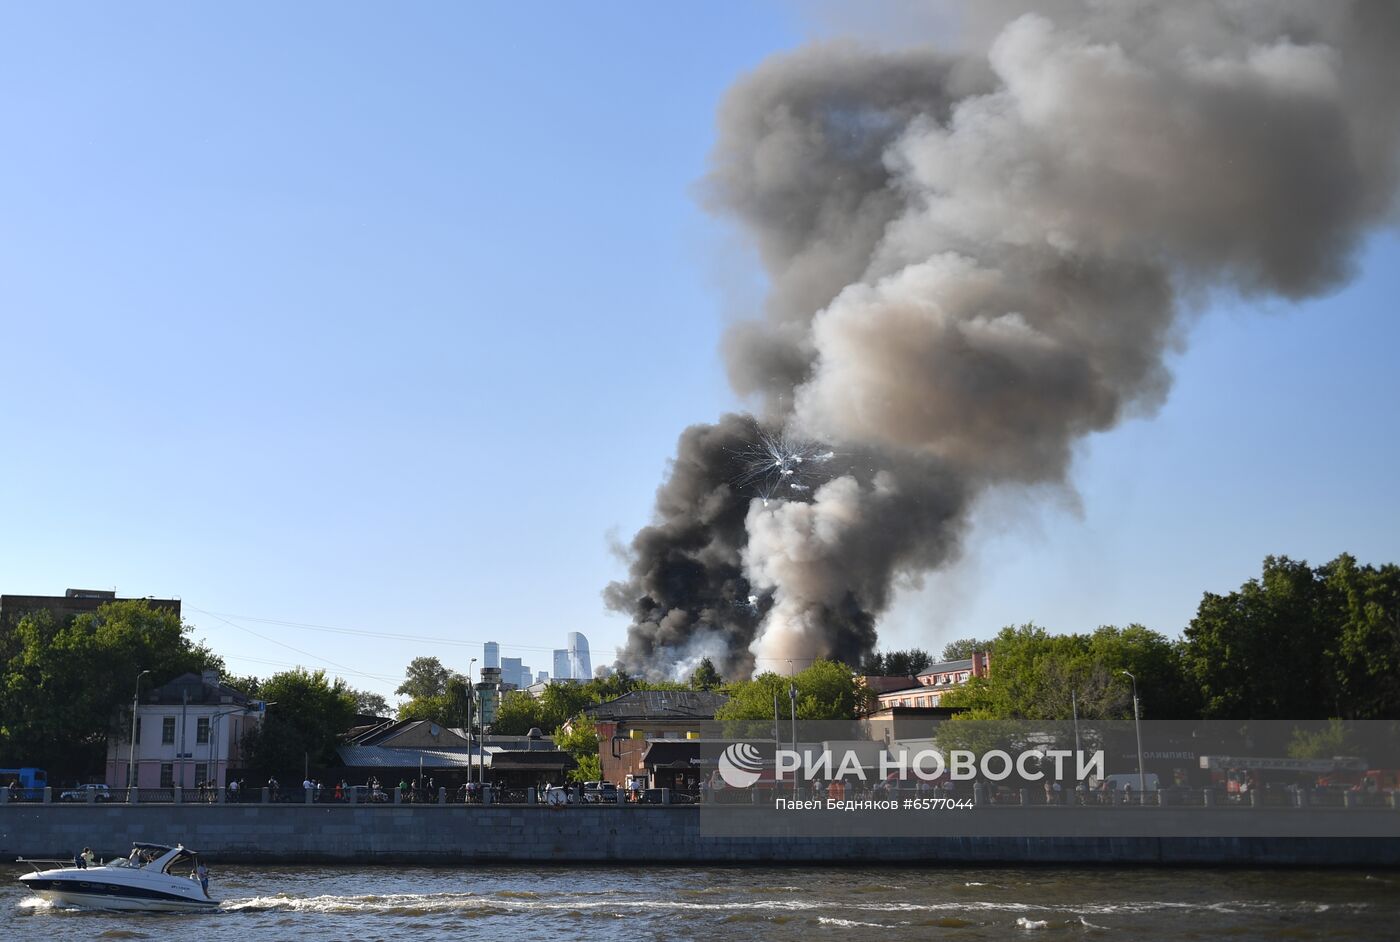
(975, 260)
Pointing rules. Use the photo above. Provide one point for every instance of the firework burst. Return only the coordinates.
(781, 466)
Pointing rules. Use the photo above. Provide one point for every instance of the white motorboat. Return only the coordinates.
(155, 878)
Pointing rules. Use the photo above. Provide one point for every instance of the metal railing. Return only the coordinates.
(980, 794)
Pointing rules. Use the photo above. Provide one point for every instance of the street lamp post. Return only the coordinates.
(214, 727)
(1137, 725)
(792, 712)
(470, 705)
(131, 756)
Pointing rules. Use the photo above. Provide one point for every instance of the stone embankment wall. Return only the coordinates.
(452, 834)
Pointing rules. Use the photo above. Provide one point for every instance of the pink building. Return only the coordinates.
(937, 680)
(189, 730)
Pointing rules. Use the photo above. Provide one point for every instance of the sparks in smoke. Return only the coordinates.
(778, 465)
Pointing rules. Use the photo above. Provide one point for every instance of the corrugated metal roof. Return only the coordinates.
(660, 704)
(382, 757)
(944, 667)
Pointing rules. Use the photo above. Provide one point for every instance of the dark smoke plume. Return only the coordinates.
(978, 258)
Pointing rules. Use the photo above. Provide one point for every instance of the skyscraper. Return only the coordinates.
(562, 671)
(580, 665)
(510, 671)
(491, 655)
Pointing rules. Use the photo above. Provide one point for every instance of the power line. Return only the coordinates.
(400, 636)
(365, 633)
(283, 644)
(262, 660)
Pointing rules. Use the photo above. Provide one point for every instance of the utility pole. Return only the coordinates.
(777, 741)
(184, 730)
(1074, 709)
(131, 757)
(792, 711)
(471, 702)
(1137, 723)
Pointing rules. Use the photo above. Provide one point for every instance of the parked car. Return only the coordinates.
(604, 792)
(98, 792)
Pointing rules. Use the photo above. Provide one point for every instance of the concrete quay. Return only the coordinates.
(656, 834)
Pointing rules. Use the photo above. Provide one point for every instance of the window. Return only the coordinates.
(167, 773)
(201, 771)
(167, 730)
(201, 734)
(138, 730)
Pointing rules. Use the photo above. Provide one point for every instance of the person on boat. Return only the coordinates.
(202, 872)
(80, 861)
(88, 857)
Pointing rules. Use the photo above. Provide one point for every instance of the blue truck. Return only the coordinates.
(25, 784)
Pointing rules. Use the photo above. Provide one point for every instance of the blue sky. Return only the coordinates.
(388, 319)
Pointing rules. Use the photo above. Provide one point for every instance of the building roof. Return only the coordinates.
(498, 760)
(71, 603)
(200, 689)
(947, 667)
(408, 734)
(885, 684)
(509, 760)
(660, 705)
(913, 712)
(383, 757)
(672, 753)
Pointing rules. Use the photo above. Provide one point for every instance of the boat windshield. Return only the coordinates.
(180, 862)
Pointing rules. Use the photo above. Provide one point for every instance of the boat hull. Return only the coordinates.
(94, 893)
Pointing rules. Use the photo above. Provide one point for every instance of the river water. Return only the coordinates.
(600, 903)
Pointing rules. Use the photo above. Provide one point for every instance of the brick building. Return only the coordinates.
(931, 684)
(628, 724)
(65, 607)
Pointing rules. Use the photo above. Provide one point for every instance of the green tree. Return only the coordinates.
(304, 726)
(1263, 652)
(1325, 742)
(426, 683)
(370, 703)
(249, 684)
(825, 691)
(1366, 652)
(705, 676)
(1165, 688)
(432, 709)
(459, 703)
(516, 714)
(425, 677)
(963, 648)
(896, 663)
(612, 686)
(68, 684)
(1042, 676)
(580, 740)
(562, 701)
